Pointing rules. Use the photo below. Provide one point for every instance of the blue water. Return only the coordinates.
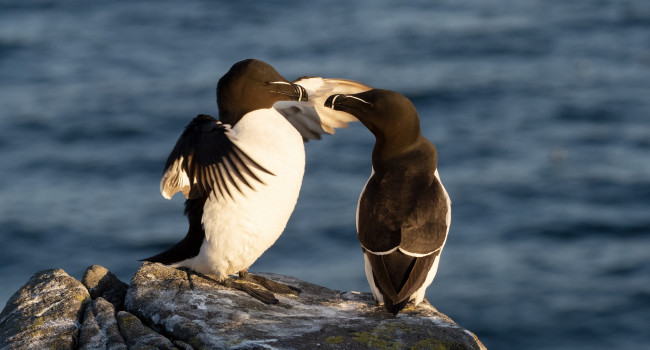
(540, 111)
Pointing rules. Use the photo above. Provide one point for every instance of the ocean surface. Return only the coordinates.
(540, 112)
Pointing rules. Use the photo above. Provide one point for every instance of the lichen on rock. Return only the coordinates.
(137, 335)
(100, 329)
(44, 313)
(102, 283)
(169, 308)
(193, 308)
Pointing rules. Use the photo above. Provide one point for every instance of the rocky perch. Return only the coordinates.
(168, 308)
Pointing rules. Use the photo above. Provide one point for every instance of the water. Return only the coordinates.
(539, 112)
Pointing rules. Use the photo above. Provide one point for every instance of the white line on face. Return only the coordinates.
(358, 99)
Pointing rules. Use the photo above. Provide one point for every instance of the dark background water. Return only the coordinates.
(540, 112)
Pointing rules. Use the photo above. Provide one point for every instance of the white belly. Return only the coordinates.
(238, 230)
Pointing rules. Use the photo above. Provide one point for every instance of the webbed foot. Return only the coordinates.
(262, 295)
(275, 287)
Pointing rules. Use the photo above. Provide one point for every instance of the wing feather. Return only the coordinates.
(398, 276)
(206, 162)
(240, 156)
(416, 277)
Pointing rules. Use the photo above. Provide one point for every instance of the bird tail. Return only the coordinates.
(394, 308)
(190, 245)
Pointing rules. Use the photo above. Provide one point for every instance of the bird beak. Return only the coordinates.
(295, 91)
(331, 101)
(341, 102)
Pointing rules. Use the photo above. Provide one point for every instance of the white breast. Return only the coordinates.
(238, 230)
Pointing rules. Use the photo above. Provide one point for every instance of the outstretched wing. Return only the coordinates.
(311, 118)
(206, 162)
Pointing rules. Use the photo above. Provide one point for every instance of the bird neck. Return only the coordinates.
(388, 155)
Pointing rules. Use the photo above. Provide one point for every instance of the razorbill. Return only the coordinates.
(404, 212)
(242, 174)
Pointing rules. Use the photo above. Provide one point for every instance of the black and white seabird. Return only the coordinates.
(404, 211)
(242, 174)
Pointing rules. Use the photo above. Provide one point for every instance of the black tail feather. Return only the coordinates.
(190, 246)
(395, 308)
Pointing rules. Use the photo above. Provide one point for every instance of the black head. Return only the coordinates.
(389, 115)
(250, 85)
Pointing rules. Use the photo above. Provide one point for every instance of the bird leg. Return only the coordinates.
(275, 287)
(262, 295)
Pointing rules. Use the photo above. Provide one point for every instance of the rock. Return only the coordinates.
(102, 283)
(99, 329)
(171, 308)
(44, 313)
(139, 336)
(192, 308)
